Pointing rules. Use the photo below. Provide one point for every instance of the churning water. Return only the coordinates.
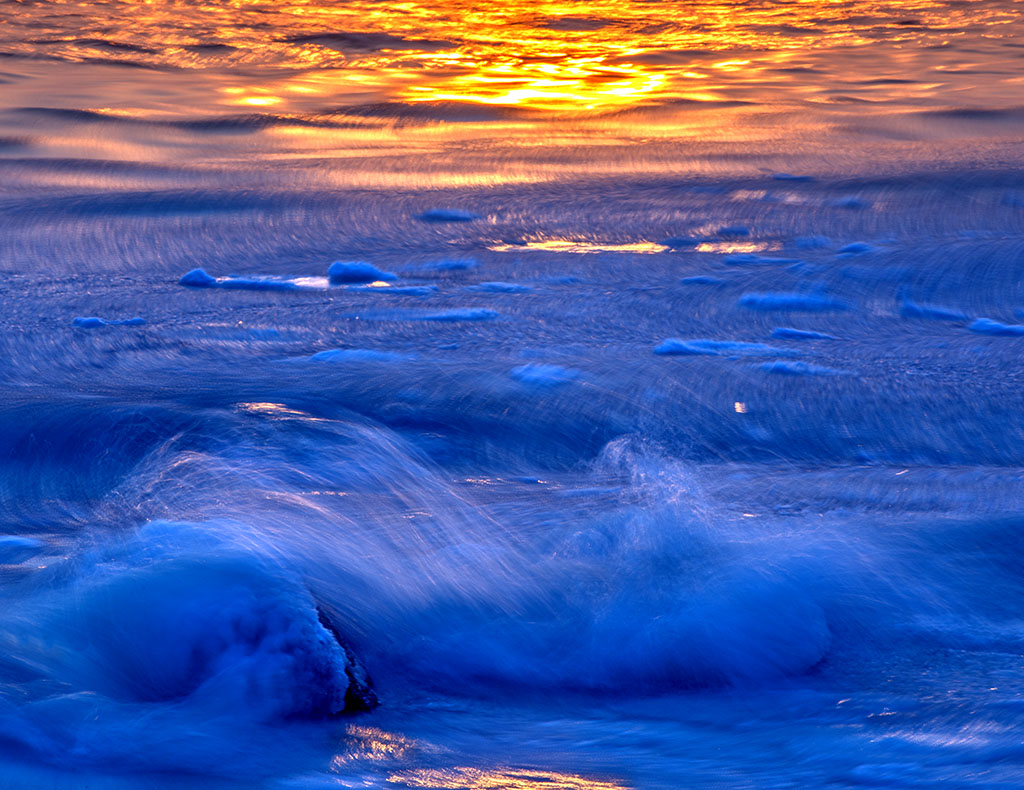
(660, 427)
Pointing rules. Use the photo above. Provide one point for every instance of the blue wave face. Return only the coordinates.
(321, 549)
(152, 650)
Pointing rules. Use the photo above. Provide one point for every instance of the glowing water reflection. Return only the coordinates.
(581, 247)
(374, 744)
(726, 247)
(498, 779)
(551, 56)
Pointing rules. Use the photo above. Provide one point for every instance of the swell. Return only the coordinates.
(484, 414)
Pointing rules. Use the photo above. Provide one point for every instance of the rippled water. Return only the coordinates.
(668, 435)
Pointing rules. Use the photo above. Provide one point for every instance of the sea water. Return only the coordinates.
(511, 395)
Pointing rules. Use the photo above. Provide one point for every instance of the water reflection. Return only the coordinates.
(498, 779)
(551, 56)
(726, 247)
(372, 743)
(580, 246)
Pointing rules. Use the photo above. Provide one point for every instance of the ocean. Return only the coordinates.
(503, 396)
